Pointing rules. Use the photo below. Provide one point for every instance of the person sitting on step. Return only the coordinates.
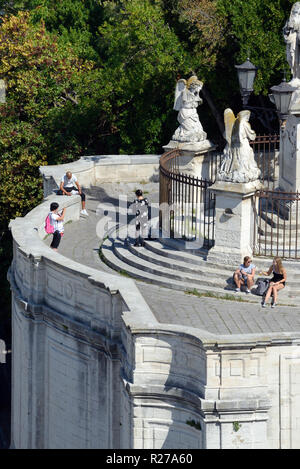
(69, 185)
(244, 275)
(277, 282)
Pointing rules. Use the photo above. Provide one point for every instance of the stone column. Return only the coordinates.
(234, 221)
(289, 159)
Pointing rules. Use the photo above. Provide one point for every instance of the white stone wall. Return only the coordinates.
(92, 170)
(92, 368)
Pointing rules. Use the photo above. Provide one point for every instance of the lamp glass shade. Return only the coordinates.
(246, 75)
(282, 95)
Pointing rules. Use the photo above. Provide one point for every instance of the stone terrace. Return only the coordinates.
(81, 243)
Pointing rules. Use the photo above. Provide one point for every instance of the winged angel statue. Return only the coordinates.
(187, 100)
(238, 163)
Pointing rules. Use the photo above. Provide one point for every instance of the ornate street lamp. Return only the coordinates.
(246, 75)
(281, 97)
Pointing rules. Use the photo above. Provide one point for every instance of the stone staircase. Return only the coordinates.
(278, 237)
(165, 262)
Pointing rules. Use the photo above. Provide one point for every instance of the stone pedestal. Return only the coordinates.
(234, 221)
(197, 159)
(289, 158)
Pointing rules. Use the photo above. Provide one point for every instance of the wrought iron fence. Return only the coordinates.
(187, 207)
(276, 227)
(266, 152)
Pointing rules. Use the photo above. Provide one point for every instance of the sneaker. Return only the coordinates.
(263, 305)
(237, 289)
(248, 291)
(84, 212)
(273, 305)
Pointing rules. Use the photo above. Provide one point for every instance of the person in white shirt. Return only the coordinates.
(69, 185)
(56, 220)
(244, 275)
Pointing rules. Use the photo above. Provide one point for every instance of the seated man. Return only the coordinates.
(69, 184)
(244, 275)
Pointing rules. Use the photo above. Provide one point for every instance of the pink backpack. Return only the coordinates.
(48, 227)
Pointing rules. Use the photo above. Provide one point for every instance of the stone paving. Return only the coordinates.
(81, 244)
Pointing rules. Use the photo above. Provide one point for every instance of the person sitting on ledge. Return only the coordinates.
(69, 185)
(244, 275)
(277, 282)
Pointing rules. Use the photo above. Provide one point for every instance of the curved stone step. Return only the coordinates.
(123, 268)
(119, 258)
(172, 274)
(181, 265)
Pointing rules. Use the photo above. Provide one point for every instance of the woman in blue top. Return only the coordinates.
(244, 275)
(277, 282)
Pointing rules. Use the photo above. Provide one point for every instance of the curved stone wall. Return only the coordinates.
(92, 368)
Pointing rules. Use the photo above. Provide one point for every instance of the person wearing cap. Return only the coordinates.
(69, 185)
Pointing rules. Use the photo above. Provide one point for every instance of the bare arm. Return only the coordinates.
(62, 216)
(267, 273)
(252, 273)
(62, 189)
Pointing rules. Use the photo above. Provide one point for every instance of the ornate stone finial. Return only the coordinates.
(238, 163)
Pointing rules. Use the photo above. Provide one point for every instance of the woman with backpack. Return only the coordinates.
(54, 224)
(277, 282)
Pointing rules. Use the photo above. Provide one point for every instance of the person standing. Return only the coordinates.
(141, 218)
(56, 220)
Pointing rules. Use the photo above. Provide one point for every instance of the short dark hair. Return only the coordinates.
(53, 206)
(138, 193)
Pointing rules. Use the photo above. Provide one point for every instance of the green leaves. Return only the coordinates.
(141, 58)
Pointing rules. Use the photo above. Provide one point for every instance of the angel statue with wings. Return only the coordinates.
(187, 100)
(238, 163)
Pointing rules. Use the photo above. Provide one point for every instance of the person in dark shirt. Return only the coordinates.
(141, 218)
(277, 282)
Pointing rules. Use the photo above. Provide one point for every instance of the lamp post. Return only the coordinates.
(281, 97)
(246, 75)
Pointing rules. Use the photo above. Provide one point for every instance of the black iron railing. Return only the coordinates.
(187, 207)
(266, 153)
(276, 227)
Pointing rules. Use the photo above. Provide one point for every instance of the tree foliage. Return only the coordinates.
(142, 57)
(96, 76)
(40, 77)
